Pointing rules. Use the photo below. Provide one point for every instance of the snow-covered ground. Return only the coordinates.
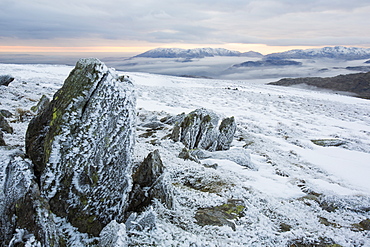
(321, 193)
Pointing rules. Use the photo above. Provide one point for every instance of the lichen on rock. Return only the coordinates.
(81, 146)
(202, 129)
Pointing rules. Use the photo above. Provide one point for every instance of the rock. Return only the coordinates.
(5, 80)
(156, 125)
(173, 119)
(187, 155)
(6, 113)
(2, 142)
(21, 209)
(329, 142)
(238, 155)
(200, 129)
(227, 130)
(41, 105)
(4, 125)
(148, 184)
(365, 225)
(222, 215)
(113, 234)
(146, 220)
(81, 146)
(320, 242)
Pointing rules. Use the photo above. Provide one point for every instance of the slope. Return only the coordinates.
(301, 193)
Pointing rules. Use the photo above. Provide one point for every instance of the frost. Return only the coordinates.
(316, 192)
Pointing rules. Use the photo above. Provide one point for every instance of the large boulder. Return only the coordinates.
(81, 146)
(202, 129)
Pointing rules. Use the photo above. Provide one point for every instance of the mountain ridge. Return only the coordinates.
(336, 52)
(191, 53)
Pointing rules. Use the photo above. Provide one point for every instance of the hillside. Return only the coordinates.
(296, 174)
(358, 83)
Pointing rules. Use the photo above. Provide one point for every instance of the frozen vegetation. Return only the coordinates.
(301, 177)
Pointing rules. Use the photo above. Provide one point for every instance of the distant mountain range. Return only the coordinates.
(188, 53)
(337, 52)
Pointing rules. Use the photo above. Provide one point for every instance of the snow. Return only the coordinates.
(275, 124)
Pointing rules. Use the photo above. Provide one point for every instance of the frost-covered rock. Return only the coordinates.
(201, 129)
(5, 80)
(238, 155)
(227, 130)
(138, 222)
(21, 209)
(4, 125)
(6, 113)
(113, 235)
(15, 180)
(82, 144)
(148, 184)
(2, 142)
(41, 105)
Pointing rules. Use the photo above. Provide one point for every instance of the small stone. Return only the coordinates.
(222, 215)
(154, 125)
(6, 113)
(365, 224)
(285, 227)
(2, 142)
(329, 142)
(5, 80)
(4, 125)
(113, 234)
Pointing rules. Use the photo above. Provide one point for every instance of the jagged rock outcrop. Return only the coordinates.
(4, 125)
(5, 80)
(81, 146)
(147, 184)
(201, 129)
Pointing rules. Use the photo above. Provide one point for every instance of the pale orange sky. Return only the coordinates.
(264, 49)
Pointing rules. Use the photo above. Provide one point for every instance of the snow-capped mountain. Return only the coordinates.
(188, 53)
(339, 52)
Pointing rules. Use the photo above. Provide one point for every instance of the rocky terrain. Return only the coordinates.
(358, 84)
(135, 159)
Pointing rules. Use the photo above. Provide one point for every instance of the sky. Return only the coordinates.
(136, 26)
